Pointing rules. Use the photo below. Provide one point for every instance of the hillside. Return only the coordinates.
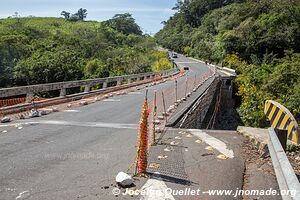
(260, 39)
(44, 50)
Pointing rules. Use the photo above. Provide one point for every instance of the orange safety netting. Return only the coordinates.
(143, 140)
(15, 101)
(11, 102)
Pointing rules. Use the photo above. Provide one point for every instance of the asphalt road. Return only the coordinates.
(191, 165)
(73, 155)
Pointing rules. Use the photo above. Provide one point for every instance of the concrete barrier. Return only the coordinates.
(30, 90)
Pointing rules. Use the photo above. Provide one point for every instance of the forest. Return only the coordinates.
(260, 39)
(37, 50)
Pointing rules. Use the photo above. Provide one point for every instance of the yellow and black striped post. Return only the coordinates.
(282, 119)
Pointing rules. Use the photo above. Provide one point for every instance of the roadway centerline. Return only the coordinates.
(82, 124)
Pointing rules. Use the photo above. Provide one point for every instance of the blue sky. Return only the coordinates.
(148, 13)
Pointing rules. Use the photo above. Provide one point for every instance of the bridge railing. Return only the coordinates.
(30, 90)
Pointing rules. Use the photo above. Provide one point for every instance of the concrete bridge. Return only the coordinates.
(76, 153)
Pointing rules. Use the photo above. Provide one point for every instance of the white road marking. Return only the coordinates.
(214, 142)
(85, 124)
(135, 93)
(13, 125)
(72, 111)
(112, 100)
(155, 189)
(23, 195)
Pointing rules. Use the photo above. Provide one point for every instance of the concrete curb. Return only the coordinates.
(259, 137)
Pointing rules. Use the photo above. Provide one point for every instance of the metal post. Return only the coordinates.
(176, 91)
(186, 86)
(282, 136)
(164, 105)
(154, 115)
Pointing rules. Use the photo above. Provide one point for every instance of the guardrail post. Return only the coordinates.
(282, 136)
(145, 77)
(87, 88)
(63, 92)
(104, 86)
(119, 82)
(29, 97)
(129, 81)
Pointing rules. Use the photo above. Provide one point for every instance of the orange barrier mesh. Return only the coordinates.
(143, 140)
(16, 101)
(11, 102)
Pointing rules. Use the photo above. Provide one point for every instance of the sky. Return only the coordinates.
(148, 13)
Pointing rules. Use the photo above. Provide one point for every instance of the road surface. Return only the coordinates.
(74, 154)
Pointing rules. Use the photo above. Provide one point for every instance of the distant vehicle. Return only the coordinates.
(174, 55)
(186, 68)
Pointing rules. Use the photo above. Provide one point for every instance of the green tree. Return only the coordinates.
(124, 23)
(81, 14)
(96, 69)
(65, 14)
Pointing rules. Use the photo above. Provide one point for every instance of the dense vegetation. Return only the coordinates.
(260, 39)
(44, 50)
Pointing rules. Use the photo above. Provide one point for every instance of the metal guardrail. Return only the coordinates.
(286, 178)
(62, 86)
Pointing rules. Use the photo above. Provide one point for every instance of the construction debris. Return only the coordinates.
(34, 113)
(5, 120)
(124, 179)
(44, 112)
(83, 103)
(55, 109)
